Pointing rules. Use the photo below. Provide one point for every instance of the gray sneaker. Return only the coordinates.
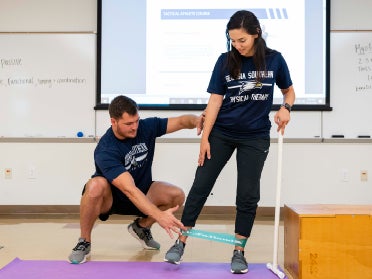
(143, 235)
(239, 264)
(174, 254)
(80, 253)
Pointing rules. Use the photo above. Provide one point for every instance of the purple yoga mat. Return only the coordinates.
(38, 269)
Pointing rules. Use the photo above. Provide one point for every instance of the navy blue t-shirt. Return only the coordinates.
(113, 156)
(246, 105)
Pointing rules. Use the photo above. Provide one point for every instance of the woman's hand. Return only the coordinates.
(281, 118)
(205, 149)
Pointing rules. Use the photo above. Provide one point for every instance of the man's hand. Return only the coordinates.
(169, 222)
(200, 123)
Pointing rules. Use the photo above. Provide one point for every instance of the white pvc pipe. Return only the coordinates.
(274, 266)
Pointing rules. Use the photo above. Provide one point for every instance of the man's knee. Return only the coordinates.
(97, 187)
(165, 194)
(178, 196)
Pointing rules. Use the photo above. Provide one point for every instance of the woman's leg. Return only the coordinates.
(205, 177)
(251, 156)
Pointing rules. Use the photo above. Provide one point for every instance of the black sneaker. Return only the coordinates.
(174, 254)
(143, 235)
(80, 253)
(239, 264)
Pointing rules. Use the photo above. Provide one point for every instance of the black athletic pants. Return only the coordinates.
(250, 158)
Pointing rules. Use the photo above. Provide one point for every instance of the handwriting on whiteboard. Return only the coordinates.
(30, 80)
(364, 67)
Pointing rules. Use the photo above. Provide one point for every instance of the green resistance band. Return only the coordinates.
(219, 237)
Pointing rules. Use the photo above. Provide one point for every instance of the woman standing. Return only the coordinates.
(237, 118)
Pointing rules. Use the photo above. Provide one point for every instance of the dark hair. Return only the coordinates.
(121, 104)
(249, 22)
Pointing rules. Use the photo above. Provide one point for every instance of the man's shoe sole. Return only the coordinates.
(85, 259)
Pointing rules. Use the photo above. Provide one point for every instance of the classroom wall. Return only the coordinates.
(47, 169)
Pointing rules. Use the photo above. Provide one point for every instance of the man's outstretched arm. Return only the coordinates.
(186, 121)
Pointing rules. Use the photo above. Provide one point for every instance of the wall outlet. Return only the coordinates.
(8, 173)
(363, 175)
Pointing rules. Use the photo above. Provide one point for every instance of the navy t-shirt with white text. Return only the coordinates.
(247, 103)
(113, 156)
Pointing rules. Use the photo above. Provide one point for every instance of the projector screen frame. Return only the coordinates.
(297, 107)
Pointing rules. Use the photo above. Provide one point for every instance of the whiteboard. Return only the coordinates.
(351, 85)
(351, 15)
(47, 84)
(48, 15)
